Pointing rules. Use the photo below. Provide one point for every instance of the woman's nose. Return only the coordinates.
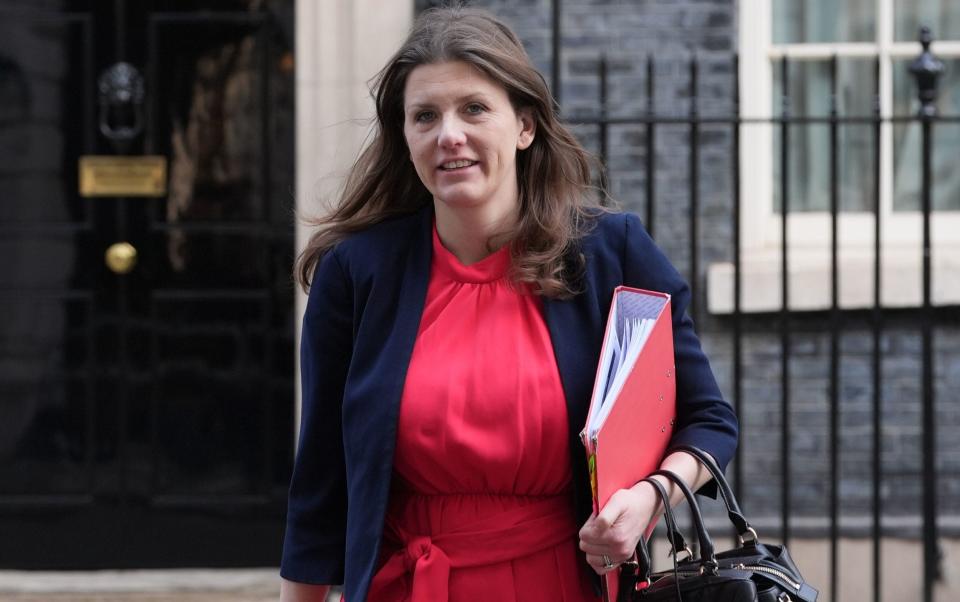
(451, 133)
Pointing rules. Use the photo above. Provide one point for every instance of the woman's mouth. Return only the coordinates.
(459, 164)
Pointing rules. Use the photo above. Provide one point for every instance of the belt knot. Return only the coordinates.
(419, 548)
(427, 566)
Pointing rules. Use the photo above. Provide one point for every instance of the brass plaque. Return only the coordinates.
(114, 175)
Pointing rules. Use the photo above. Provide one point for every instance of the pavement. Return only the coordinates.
(179, 585)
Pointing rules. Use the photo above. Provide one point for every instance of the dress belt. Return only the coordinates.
(501, 537)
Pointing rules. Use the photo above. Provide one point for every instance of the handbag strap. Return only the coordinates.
(644, 567)
(674, 535)
(645, 570)
(740, 522)
(708, 560)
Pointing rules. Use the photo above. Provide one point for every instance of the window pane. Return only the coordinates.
(809, 150)
(809, 21)
(942, 16)
(907, 141)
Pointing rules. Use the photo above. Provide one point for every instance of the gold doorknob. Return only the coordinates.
(121, 257)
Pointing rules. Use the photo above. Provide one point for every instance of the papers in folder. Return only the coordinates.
(634, 313)
(621, 353)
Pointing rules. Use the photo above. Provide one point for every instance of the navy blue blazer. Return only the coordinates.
(359, 328)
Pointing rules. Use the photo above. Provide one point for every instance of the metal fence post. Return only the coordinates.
(927, 69)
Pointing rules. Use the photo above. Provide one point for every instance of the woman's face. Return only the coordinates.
(463, 134)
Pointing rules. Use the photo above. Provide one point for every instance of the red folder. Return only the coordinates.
(632, 439)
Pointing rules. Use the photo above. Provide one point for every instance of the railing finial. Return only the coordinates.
(927, 69)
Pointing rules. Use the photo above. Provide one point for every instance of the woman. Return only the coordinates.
(451, 338)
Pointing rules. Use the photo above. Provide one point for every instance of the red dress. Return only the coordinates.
(481, 506)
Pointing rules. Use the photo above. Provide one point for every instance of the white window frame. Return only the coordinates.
(808, 233)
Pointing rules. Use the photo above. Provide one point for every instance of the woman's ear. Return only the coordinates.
(528, 128)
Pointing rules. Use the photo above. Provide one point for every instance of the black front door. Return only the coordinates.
(146, 342)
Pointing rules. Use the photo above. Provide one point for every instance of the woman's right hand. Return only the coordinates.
(292, 591)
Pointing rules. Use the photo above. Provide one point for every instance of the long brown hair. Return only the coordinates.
(553, 173)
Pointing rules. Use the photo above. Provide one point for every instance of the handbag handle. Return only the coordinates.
(746, 533)
(671, 528)
(708, 561)
(643, 555)
(644, 563)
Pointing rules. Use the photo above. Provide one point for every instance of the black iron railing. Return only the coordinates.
(926, 69)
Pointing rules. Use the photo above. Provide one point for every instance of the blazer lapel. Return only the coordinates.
(575, 335)
(413, 281)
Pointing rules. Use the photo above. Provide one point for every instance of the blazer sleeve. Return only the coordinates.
(313, 547)
(704, 419)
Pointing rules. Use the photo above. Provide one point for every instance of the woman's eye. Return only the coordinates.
(475, 109)
(423, 116)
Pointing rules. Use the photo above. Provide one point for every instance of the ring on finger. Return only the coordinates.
(607, 563)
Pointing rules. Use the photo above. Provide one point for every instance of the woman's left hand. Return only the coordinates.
(614, 532)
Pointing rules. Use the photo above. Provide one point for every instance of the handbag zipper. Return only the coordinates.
(764, 569)
(742, 567)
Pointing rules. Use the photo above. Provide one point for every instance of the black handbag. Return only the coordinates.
(750, 572)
